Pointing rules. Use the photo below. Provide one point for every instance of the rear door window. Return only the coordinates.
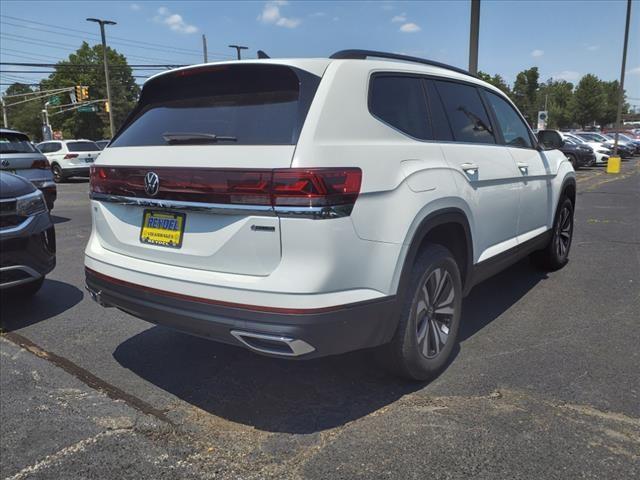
(11, 142)
(241, 104)
(82, 147)
(467, 116)
(400, 102)
(514, 130)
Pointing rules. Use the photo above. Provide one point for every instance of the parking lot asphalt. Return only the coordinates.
(544, 383)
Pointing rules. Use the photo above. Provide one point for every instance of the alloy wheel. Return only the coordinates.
(434, 312)
(563, 233)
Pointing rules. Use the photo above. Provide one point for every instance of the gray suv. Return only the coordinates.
(19, 156)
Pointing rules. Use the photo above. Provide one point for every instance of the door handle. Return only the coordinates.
(470, 168)
(524, 167)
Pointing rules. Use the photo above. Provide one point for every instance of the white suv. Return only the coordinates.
(69, 158)
(310, 207)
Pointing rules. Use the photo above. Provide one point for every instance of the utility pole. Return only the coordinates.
(204, 48)
(238, 48)
(106, 67)
(474, 35)
(5, 122)
(624, 65)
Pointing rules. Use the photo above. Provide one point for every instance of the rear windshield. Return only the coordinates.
(82, 147)
(242, 104)
(15, 143)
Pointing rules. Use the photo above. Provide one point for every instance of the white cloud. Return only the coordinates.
(400, 18)
(174, 21)
(537, 53)
(568, 75)
(634, 71)
(271, 15)
(409, 28)
(135, 7)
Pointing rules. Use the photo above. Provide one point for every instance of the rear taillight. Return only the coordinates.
(70, 155)
(292, 187)
(315, 187)
(41, 164)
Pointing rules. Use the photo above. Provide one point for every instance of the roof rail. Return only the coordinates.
(363, 54)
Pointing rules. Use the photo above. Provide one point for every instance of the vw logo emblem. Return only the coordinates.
(5, 163)
(151, 183)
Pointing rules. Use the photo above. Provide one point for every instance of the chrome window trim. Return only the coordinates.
(316, 213)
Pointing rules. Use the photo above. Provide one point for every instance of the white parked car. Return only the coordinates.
(310, 207)
(69, 158)
(601, 152)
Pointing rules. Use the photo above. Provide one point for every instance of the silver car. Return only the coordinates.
(19, 156)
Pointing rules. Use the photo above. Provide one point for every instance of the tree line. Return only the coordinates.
(591, 101)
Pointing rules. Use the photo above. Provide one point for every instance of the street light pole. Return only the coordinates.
(106, 67)
(474, 35)
(624, 65)
(238, 48)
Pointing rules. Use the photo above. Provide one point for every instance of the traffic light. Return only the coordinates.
(82, 93)
(106, 107)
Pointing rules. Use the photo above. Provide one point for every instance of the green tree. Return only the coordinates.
(84, 67)
(610, 92)
(589, 100)
(524, 95)
(497, 81)
(557, 95)
(25, 117)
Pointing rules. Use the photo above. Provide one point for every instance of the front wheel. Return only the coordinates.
(556, 254)
(429, 317)
(572, 159)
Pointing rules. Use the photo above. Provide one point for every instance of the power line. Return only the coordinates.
(66, 47)
(82, 65)
(134, 41)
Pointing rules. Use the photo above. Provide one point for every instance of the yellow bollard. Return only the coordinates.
(613, 165)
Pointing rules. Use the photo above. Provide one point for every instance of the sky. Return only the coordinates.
(564, 39)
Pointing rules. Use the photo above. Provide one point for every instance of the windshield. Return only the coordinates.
(82, 147)
(15, 143)
(230, 104)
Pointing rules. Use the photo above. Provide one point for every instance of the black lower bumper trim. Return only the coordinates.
(329, 332)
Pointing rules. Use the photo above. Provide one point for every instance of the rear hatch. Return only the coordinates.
(82, 151)
(17, 153)
(186, 180)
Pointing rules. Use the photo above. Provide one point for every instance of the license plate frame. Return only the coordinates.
(153, 235)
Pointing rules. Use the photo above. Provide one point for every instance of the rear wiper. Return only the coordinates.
(195, 138)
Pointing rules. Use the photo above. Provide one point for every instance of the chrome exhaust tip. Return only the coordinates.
(273, 344)
(96, 296)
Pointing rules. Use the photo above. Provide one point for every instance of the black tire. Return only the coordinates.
(58, 176)
(556, 254)
(572, 158)
(416, 351)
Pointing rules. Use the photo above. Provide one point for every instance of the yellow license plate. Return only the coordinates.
(162, 228)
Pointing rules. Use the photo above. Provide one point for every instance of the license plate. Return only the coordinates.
(88, 160)
(164, 229)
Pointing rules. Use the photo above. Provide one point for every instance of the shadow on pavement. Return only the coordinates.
(53, 298)
(294, 396)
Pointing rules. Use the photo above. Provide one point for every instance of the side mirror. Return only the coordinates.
(550, 139)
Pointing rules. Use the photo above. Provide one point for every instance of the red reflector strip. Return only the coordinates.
(304, 187)
(208, 301)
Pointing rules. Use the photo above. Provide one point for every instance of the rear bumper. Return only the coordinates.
(76, 171)
(278, 332)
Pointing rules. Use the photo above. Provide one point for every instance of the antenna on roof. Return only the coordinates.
(261, 54)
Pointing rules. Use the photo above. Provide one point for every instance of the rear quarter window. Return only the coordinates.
(253, 104)
(400, 102)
